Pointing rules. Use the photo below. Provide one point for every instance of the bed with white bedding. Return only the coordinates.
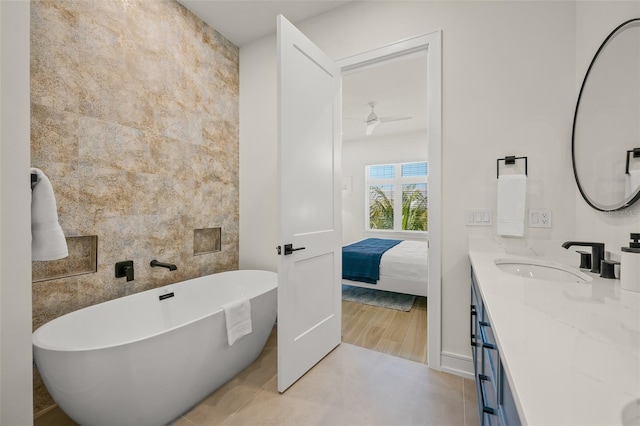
(403, 269)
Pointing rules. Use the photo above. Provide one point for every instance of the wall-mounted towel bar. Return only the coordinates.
(636, 154)
(34, 179)
(510, 160)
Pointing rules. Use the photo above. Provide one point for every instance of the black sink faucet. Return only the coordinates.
(169, 266)
(597, 253)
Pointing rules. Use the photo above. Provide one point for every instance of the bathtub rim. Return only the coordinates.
(37, 344)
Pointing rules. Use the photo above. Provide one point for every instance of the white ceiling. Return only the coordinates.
(398, 87)
(244, 21)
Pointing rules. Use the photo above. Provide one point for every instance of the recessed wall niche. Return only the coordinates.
(82, 259)
(206, 240)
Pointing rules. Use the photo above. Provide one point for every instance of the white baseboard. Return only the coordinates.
(457, 364)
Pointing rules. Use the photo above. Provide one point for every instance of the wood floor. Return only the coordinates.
(402, 334)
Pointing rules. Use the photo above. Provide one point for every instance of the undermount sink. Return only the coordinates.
(541, 270)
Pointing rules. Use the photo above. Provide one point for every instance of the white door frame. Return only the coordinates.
(431, 44)
(16, 397)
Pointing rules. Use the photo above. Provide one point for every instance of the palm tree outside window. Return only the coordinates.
(396, 196)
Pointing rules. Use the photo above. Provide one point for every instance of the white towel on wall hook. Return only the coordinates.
(512, 192)
(47, 239)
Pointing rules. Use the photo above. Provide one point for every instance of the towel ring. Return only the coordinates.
(636, 154)
(510, 160)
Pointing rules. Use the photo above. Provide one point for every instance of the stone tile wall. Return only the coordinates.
(134, 109)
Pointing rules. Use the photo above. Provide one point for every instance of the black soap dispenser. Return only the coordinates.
(630, 265)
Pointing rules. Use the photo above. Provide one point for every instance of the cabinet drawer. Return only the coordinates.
(488, 398)
(490, 371)
(489, 420)
(508, 410)
(489, 350)
(488, 336)
(490, 353)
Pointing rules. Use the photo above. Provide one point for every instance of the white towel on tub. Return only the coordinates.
(238, 317)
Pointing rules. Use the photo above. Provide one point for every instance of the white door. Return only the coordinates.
(309, 156)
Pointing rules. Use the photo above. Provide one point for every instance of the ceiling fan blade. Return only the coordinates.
(370, 126)
(395, 118)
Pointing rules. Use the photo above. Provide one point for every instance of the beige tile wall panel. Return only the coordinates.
(135, 120)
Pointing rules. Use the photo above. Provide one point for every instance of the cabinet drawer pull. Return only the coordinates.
(488, 345)
(471, 318)
(485, 408)
(483, 337)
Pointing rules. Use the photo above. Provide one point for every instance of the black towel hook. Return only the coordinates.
(636, 154)
(510, 160)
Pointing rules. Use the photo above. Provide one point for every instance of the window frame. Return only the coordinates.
(397, 183)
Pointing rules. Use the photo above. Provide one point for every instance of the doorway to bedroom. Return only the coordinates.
(385, 210)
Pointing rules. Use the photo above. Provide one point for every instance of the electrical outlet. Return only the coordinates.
(545, 219)
(539, 218)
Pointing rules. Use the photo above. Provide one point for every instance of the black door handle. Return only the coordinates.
(288, 249)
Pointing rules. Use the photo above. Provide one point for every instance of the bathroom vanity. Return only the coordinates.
(548, 350)
(495, 399)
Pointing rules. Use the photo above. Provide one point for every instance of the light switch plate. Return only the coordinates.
(478, 217)
(539, 218)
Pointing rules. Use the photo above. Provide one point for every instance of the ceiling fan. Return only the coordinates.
(373, 120)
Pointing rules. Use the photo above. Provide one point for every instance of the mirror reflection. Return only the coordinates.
(606, 138)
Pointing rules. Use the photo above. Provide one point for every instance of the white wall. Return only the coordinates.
(508, 89)
(16, 400)
(357, 154)
(258, 156)
(594, 21)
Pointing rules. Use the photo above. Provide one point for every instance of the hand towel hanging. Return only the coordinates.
(238, 319)
(512, 191)
(47, 239)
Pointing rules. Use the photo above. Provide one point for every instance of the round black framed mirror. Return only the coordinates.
(605, 140)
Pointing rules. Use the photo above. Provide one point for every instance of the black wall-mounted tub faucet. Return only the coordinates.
(597, 253)
(169, 266)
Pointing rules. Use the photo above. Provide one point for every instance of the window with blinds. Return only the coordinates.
(396, 196)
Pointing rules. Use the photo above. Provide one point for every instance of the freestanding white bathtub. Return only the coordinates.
(147, 358)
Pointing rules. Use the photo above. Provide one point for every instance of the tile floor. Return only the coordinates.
(350, 386)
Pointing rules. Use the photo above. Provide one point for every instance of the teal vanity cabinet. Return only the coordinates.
(496, 405)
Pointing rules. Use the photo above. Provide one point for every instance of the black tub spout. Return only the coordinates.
(169, 266)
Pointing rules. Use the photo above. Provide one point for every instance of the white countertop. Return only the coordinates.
(571, 351)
